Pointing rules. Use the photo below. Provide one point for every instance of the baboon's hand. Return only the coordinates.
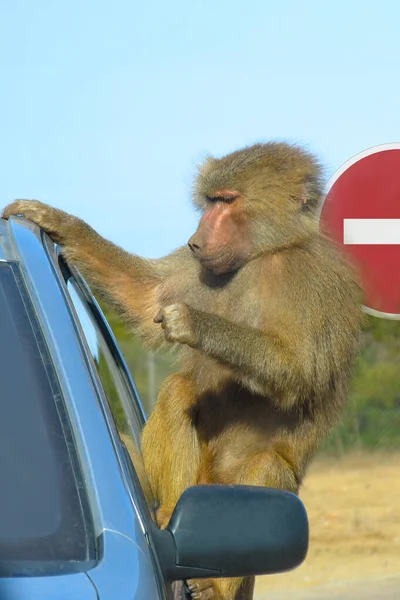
(203, 589)
(177, 322)
(59, 225)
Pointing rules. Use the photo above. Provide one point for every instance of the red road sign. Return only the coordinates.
(361, 211)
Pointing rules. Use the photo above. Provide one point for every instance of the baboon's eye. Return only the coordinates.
(227, 198)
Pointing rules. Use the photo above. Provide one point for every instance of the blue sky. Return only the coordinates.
(106, 107)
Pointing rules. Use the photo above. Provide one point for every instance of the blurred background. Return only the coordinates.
(105, 110)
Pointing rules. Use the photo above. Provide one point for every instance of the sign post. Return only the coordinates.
(361, 212)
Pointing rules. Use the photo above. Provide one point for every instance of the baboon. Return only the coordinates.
(266, 314)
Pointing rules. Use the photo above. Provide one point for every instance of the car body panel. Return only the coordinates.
(126, 567)
(58, 587)
(131, 574)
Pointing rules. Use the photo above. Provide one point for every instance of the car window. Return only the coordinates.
(45, 522)
(122, 399)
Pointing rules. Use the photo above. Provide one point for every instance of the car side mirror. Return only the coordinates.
(233, 531)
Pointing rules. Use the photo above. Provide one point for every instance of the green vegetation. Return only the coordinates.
(372, 418)
(148, 369)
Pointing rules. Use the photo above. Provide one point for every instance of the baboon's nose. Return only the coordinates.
(193, 245)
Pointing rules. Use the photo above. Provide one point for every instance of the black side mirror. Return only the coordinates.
(233, 531)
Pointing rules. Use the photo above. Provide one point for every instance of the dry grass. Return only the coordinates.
(353, 506)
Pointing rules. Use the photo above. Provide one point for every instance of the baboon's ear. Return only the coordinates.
(310, 194)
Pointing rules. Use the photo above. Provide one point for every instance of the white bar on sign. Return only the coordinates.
(371, 231)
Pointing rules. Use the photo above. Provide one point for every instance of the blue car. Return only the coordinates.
(76, 510)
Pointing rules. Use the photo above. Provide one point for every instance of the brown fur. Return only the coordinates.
(266, 314)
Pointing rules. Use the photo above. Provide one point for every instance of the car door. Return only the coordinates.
(125, 412)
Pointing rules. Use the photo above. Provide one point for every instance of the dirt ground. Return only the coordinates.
(353, 505)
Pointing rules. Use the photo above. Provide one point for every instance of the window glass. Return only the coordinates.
(122, 401)
(44, 512)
